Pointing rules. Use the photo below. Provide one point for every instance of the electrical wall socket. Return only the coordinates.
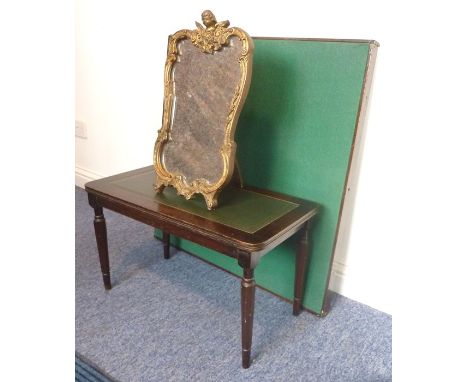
(80, 129)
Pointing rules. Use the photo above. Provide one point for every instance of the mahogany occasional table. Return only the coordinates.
(247, 224)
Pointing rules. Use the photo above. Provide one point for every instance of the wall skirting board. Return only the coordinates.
(83, 176)
(340, 281)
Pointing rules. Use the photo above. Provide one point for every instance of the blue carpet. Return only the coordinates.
(179, 319)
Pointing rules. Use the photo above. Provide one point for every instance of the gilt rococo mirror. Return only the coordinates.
(206, 80)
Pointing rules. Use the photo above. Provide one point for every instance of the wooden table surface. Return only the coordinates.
(135, 188)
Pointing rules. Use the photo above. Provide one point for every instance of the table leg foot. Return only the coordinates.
(245, 359)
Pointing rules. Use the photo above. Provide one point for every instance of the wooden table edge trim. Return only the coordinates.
(260, 247)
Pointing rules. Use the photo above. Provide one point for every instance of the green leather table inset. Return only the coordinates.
(245, 210)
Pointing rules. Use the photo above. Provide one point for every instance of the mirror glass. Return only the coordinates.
(200, 109)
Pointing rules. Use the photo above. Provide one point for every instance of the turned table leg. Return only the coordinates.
(247, 313)
(101, 239)
(166, 241)
(301, 265)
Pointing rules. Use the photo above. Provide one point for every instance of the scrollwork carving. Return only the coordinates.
(211, 37)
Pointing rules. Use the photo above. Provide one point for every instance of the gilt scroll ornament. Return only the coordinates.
(211, 41)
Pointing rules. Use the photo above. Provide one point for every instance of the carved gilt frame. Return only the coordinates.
(209, 39)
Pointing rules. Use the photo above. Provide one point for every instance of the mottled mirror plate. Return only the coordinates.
(207, 77)
(199, 110)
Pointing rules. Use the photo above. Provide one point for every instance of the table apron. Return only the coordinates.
(165, 224)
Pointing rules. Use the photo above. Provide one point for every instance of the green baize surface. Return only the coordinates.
(294, 136)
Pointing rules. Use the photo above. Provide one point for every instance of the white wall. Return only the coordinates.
(121, 49)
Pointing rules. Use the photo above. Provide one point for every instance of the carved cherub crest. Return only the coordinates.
(209, 20)
(214, 36)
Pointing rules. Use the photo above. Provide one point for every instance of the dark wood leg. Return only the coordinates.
(101, 239)
(247, 314)
(301, 265)
(166, 241)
